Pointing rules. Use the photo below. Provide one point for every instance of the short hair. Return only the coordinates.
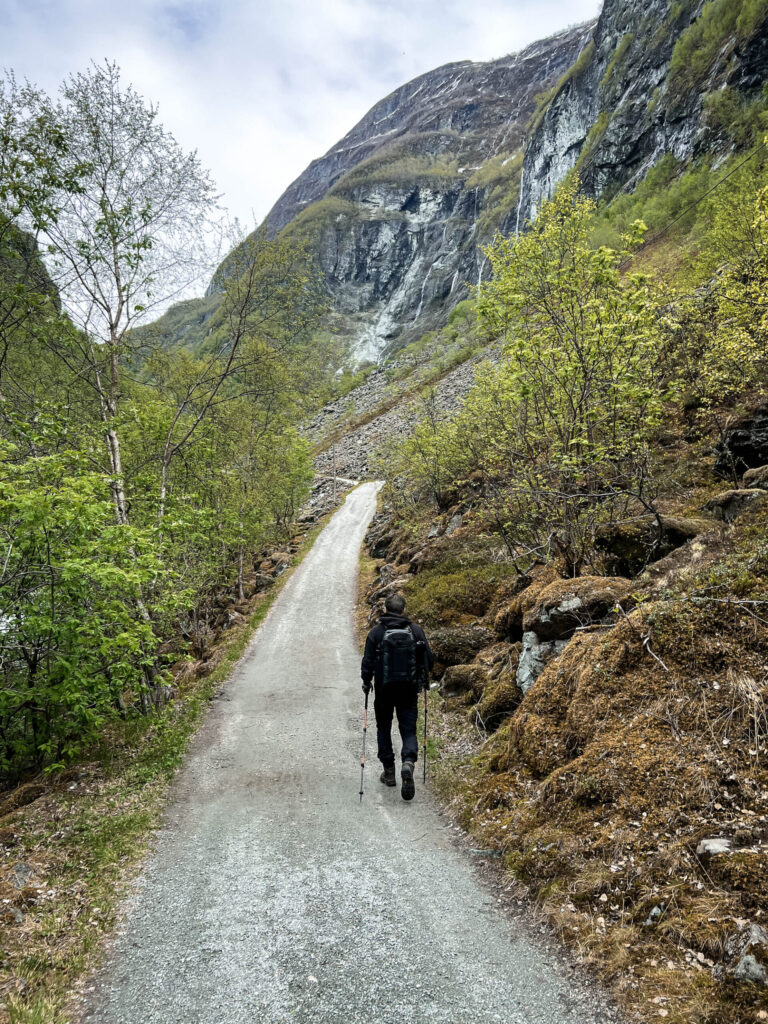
(395, 603)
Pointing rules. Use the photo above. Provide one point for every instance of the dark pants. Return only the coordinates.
(405, 701)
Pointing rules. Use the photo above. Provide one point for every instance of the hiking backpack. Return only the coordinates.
(399, 656)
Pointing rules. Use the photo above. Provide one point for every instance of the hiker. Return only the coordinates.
(398, 657)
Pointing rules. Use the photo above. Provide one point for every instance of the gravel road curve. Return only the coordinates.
(273, 895)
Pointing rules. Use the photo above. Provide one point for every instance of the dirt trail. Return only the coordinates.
(274, 895)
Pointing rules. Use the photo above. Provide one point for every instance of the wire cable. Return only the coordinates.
(692, 206)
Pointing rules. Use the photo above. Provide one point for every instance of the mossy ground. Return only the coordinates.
(68, 856)
(645, 736)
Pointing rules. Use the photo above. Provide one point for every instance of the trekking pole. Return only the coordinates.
(426, 701)
(365, 730)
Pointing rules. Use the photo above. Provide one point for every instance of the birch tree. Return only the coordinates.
(134, 236)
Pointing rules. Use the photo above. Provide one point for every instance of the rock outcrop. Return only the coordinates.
(619, 109)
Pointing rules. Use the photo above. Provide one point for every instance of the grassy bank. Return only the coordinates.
(647, 735)
(70, 844)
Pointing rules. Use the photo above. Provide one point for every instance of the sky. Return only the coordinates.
(261, 87)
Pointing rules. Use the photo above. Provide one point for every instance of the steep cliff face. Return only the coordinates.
(628, 100)
(471, 110)
(397, 209)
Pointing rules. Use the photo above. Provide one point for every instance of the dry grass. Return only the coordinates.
(640, 740)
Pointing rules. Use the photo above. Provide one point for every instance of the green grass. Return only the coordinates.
(673, 192)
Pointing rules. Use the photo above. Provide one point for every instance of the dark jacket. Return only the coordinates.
(371, 665)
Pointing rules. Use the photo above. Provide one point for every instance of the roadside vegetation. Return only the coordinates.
(135, 479)
(71, 842)
(147, 495)
(585, 540)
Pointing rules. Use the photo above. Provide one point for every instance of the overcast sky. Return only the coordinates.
(260, 88)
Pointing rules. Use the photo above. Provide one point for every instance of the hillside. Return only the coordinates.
(397, 211)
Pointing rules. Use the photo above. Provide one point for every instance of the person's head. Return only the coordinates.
(395, 604)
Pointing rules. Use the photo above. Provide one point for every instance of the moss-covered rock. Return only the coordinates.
(447, 592)
(757, 477)
(501, 694)
(458, 645)
(629, 547)
(729, 505)
(563, 606)
(508, 620)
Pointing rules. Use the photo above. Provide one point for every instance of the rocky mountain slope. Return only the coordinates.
(630, 98)
(397, 210)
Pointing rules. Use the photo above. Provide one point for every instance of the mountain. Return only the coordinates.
(642, 88)
(397, 210)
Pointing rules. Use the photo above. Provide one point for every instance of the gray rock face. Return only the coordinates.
(533, 657)
(565, 605)
(619, 115)
(483, 106)
(747, 951)
(398, 246)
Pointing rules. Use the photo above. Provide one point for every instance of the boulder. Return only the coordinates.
(458, 645)
(257, 583)
(489, 666)
(747, 955)
(629, 547)
(563, 606)
(744, 445)
(534, 655)
(729, 505)
(756, 478)
(508, 622)
(380, 546)
(454, 524)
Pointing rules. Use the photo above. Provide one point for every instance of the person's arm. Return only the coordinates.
(368, 664)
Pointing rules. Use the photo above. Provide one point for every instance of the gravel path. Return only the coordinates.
(274, 895)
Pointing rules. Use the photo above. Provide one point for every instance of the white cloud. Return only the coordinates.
(261, 88)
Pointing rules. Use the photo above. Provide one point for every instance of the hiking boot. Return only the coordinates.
(408, 789)
(388, 775)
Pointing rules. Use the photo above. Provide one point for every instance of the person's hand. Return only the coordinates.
(367, 687)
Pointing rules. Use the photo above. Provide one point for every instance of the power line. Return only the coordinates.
(692, 206)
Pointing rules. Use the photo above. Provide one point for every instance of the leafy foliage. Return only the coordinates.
(134, 478)
(561, 429)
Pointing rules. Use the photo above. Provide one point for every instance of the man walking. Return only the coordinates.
(398, 657)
